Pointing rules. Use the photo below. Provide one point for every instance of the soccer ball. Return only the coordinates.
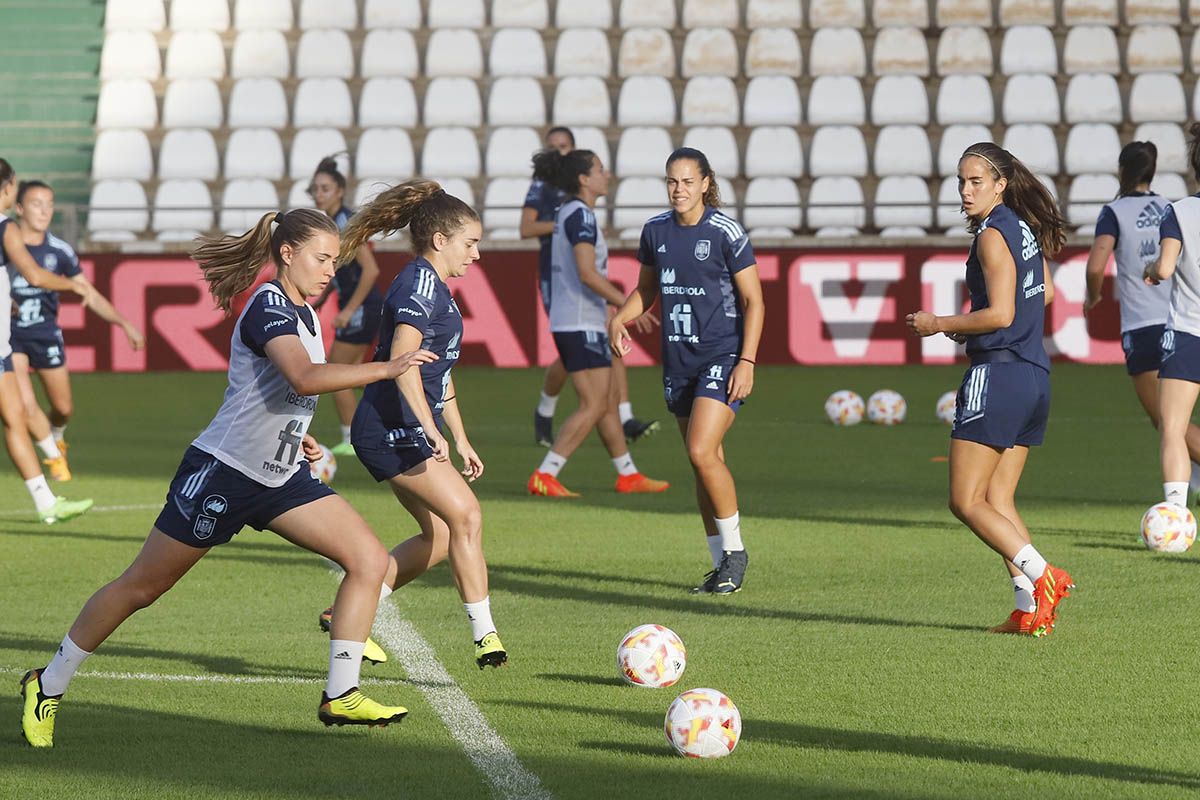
(1168, 528)
(844, 408)
(651, 656)
(324, 467)
(945, 407)
(703, 723)
(886, 407)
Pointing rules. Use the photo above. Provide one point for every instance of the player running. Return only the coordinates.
(37, 340)
(1004, 400)
(250, 467)
(359, 301)
(701, 262)
(580, 293)
(15, 261)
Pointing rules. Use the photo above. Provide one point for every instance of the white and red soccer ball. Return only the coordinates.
(703, 723)
(886, 407)
(325, 467)
(945, 407)
(844, 408)
(651, 656)
(1168, 528)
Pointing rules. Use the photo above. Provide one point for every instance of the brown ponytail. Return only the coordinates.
(1025, 195)
(418, 204)
(1193, 150)
(712, 196)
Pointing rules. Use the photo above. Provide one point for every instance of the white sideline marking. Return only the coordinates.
(32, 514)
(155, 677)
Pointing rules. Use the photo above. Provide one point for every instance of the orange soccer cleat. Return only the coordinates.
(546, 485)
(637, 483)
(1052, 588)
(1018, 622)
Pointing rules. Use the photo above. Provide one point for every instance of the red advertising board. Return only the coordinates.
(823, 307)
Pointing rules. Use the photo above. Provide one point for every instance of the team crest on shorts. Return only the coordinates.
(703, 248)
(206, 523)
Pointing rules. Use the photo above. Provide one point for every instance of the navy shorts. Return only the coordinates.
(1003, 404)
(1180, 356)
(711, 380)
(209, 501)
(45, 351)
(387, 452)
(6, 364)
(1143, 349)
(364, 324)
(580, 350)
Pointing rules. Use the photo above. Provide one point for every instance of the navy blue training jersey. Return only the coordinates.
(701, 312)
(346, 279)
(271, 315)
(37, 309)
(1023, 338)
(417, 297)
(545, 199)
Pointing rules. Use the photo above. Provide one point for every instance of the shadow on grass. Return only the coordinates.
(595, 680)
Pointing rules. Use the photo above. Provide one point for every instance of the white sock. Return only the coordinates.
(547, 404)
(730, 531)
(59, 433)
(61, 669)
(624, 465)
(345, 433)
(480, 615)
(1194, 481)
(714, 549)
(626, 412)
(345, 661)
(552, 464)
(39, 490)
(385, 591)
(1030, 562)
(1024, 594)
(1176, 492)
(49, 447)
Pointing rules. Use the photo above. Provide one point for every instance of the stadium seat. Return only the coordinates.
(835, 51)
(899, 14)
(309, 146)
(949, 208)
(771, 203)
(1031, 98)
(1048, 182)
(837, 150)
(385, 151)
(1093, 98)
(583, 52)
(509, 150)
(192, 103)
(517, 101)
(517, 52)
(902, 232)
(956, 139)
(776, 51)
(1028, 49)
(585, 101)
(182, 209)
(709, 51)
(647, 14)
(452, 152)
(836, 14)
(573, 14)
(774, 151)
(951, 13)
(298, 196)
(772, 14)
(258, 103)
(1157, 97)
(903, 150)
(380, 14)
(453, 53)
(454, 14)
(367, 189)
(637, 199)
(642, 151)
(255, 153)
(117, 210)
(836, 100)
(772, 100)
(710, 101)
(900, 51)
(1035, 144)
(1168, 138)
(898, 100)
(838, 232)
(1142, 12)
(134, 15)
(1153, 48)
(259, 54)
(123, 153)
(644, 100)
(200, 15)
(273, 15)
(324, 54)
(710, 14)
(646, 51)
(195, 54)
(1089, 12)
(965, 99)
(1027, 12)
(1091, 147)
(126, 103)
(1091, 48)
(1087, 195)
(332, 14)
(520, 14)
(1170, 186)
(964, 51)
(130, 54)
(452, 101)
(387, 102)
(389, 54)
(243, 203)
(835, 203)
(594, 139)
(502, 201)
(323, 102)
(719, 145)
(902, 200)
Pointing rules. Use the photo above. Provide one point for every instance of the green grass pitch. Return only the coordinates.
(857, 652)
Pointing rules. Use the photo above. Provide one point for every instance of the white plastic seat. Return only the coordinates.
(122, 153)
(379, 14)
(836, 100)
(773, 151)
(255, 153)
(1169, 139)
(949, 204)
(710, 14)
(710, 51)
(298, 196)
(718, 144)
(899, 99)
(1194, 57)
(1027, 12)
(1087, 195)
(453, 53)
(258, 103)
(130, 54)
(644, 100)
(776, 51)
(367, 189)
(454, 14)
(965, 99)
(192, 103)
(509, 150)
(1089, 12)
(1091, 48)
(582, 52)
(902, 200)
(951, 13)
(1093, 98)
(585, 101)
(1153, 48)
(134, 15)
(385, 151)
(1170, 185)
(502, 202)
(642, 151)
(964, 51)
(1031, 98)
(259, 54)
(200, 15)
(243, 203)
(517, 101)
(1091, 147)
(573, 14)
(324, 54)
(646, 51)
(900, 51)
(387, 102)
(452, 152)
(272, 15)
(182, 205)
(517, 51)
(195, 54)
(520, 14)
(1035, 144)
(835, 202)
(1142, 12)
(900, 13)
(1028, 49)
(956, 139)
(710, 101)
(838, 232)
(835, 51)
(647, 14)
(117, 210)
(772, 203)
(594, 139)
(636, 200)
(772, 14)
(836, 14)
(452, 101)
(903, 150)
(389, 54)
(335, 14)
(902, 232)
(126, 103)
(1157, 97)
(309, 146)
(323, 102)
(772, 100)
(838, 150)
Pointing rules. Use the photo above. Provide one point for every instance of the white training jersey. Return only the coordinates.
(573, 306)
(1133, 221)
(5, 295)
(1185, 289)
(260, 425)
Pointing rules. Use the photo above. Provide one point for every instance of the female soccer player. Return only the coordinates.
(249, 467)
(580, 293)
(15, 260)
(37, 340)
(1004, 401)
(701, 262)
(359, 301)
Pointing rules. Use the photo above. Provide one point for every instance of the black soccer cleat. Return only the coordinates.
(635, 429)
(543, 430)
(708, 585)
(732, 572)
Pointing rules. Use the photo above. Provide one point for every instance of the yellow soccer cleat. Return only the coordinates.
(371, 651)
(37, 717)
(63, 510)
(58, 469)
(355, 708)
(489, 652)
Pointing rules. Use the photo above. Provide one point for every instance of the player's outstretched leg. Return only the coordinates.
(543, 414)
(632, 427)
(703, 432)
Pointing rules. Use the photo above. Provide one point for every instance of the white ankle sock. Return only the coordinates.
(546, 405)
(1023, 587)
(345, 433)
(730, 530)
(57, 675)
(714, 549)
(58, 433)
(480, 615)
(39, 490)
(1030, 562)
(1176, 492)
(552, 464)
(49, 447)
(345, 662)
(625, 410)
(385, 591)
(624, 465)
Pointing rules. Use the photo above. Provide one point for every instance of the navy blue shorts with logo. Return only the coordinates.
(712, 380)
(387, 452)
(1180, 356)
(1003, 403)
(580, 350)
(364, 323)
(44, 352)
(1143, 349)
(209, 501)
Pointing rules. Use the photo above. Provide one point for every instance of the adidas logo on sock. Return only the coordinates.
(344, 655)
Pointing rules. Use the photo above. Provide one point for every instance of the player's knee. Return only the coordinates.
(368, 561)
(961, 506)
(468, 521)
(702, 456)
(141, 591)
(62, 412)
